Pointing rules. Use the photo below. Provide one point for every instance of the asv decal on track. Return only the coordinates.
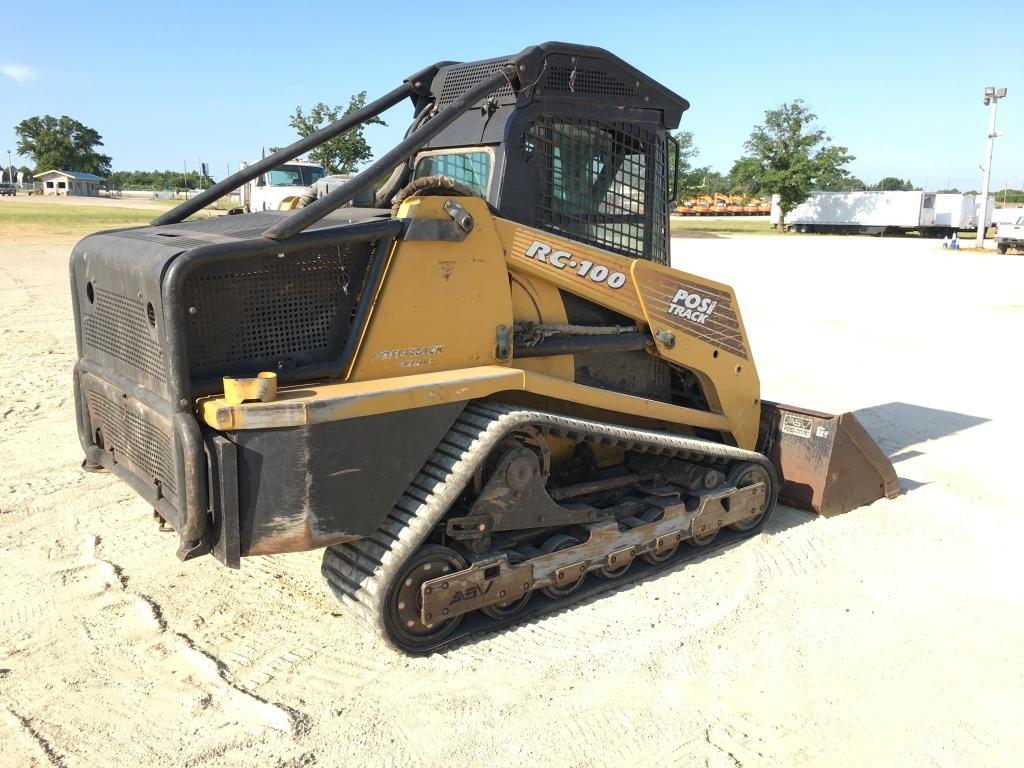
(584, 268)
(687, 305)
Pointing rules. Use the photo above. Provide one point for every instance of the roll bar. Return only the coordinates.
(347, 192)
(416, 85)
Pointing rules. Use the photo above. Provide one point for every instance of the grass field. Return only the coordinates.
(697, 226)
(29, 219)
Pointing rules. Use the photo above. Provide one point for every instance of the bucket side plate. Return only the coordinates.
(828, 463)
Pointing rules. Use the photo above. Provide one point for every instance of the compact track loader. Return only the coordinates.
(486, 396)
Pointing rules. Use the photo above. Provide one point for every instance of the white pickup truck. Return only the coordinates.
(268, 191)
(1010, 236)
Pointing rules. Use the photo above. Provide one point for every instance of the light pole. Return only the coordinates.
(10, 168)
(992, 97)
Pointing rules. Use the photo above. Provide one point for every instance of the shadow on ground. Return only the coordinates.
(897, 426)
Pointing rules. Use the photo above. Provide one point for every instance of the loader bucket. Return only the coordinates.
(828, 464)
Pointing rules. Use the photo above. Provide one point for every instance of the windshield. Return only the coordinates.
(295, 175)
(470, 168)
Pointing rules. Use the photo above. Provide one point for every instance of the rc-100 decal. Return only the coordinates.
(584, 268)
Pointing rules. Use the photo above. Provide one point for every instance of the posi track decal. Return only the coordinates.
(411, 357)
(687, 305)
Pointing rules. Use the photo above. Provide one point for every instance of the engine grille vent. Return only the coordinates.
(459, 79)
(119, 326)
(145, 448)
(277, 313)
(582, 80)
(169, 239)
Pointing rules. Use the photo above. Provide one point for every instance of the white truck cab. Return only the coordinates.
(1010, 236)
(267, 191)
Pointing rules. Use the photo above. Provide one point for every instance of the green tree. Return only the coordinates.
(11, 174)
(343, 153)
(745, 176)
(893, 184)
(789, 157)
(156, 180)
(689, 178)
(712, 181)
(844, 184)
(61, 143)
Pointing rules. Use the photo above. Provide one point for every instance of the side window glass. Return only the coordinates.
(473, 169)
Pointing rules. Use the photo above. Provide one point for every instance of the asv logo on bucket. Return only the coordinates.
(583, 268)
(691, 306)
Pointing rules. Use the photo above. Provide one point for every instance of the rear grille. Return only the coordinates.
(143, 447)
(459, 79)
(169, 239)
(277, 313)
(582, 80)
(120, 327)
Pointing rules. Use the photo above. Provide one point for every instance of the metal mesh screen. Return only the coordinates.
(601, 183)
(120, 327)
(276, 313)
(592, 81)
(143, 447)
(459, 79)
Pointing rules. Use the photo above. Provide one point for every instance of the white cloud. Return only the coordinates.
(20, 73)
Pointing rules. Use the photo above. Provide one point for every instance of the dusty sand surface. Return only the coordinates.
(891, 636)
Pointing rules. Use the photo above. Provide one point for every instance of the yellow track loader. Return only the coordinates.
(485, 393)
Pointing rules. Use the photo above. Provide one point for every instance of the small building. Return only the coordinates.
(69, 183)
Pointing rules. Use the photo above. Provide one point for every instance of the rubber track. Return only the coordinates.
(359, 573)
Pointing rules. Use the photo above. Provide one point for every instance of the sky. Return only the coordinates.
(168, 84)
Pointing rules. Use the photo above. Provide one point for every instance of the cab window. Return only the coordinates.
(294, 176)
(472, 169)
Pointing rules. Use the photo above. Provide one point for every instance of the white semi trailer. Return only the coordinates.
(878, 213)
(873, 213)
(954, 212)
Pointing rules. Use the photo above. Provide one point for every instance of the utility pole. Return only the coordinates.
(992, 97)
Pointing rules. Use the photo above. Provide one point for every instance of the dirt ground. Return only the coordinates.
(891, 636)
(138, 203)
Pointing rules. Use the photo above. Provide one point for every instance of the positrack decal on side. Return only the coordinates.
(695, 308)
(690, 305)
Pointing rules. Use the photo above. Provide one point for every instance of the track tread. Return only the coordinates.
(359, 572)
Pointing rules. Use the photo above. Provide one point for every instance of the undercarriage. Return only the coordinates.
(489, 532)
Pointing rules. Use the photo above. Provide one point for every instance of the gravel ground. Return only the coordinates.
(891, 636)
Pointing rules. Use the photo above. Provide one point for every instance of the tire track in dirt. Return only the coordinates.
(796, 552)
(39, 743)
(209, 667)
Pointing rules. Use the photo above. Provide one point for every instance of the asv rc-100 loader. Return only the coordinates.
(486, 396)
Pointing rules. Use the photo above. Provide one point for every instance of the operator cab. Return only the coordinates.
(580, 151)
